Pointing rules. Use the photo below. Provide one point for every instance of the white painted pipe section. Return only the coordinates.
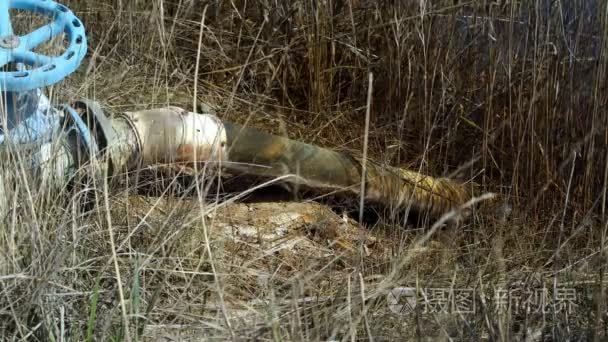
(173, 135)
(144, 138)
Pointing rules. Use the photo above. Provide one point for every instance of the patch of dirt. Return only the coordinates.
(260, 250)
(283, 239)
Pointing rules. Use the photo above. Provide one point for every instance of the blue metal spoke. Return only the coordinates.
(42, 34)
(5, 57)
(6, 28)
(31, 58)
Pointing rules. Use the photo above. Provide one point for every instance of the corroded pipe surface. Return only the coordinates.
(254, 152)
(175, 136)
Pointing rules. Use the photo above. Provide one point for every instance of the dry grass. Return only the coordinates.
(510, 95)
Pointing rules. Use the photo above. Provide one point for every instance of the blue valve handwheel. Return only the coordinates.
(43, 70)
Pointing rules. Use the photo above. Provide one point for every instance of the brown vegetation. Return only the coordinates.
(510, 95)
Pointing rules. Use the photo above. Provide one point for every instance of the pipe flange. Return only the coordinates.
(101, 129)
(91, 147)
(94, 117)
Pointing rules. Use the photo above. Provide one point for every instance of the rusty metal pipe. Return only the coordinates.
(172, 135)
(254, 152)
